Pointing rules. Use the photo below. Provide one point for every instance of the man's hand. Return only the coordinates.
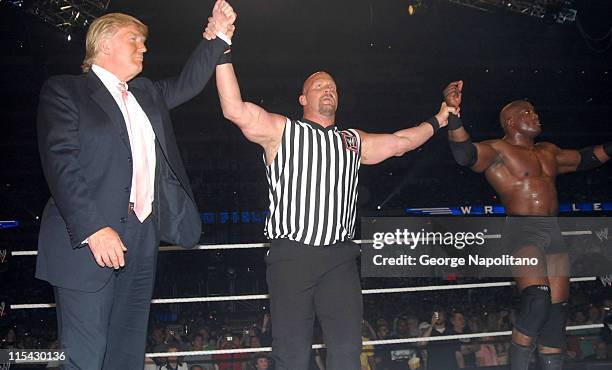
(452, 94)
(210, 32)
(107, 248)
(223, 15)
(442, 115)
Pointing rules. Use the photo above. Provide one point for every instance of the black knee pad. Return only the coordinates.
(535, 307)
(553, 331)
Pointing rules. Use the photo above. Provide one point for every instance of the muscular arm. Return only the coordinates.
(257, 125)
(584, 159)
(376, 148)
(478, 156)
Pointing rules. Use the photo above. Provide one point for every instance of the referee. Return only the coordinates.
(312, 171)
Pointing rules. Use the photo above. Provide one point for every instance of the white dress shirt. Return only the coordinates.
(137, 117)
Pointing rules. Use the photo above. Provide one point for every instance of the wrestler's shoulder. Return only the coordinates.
(544, 145)
(497, 144)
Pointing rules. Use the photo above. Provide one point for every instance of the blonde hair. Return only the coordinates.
(107, 26)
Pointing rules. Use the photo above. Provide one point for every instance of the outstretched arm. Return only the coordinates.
(200, 65)
(583, 159)
(375, 148)
(478, 156)
(257, 125)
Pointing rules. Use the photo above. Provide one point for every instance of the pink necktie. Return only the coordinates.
(136, 133)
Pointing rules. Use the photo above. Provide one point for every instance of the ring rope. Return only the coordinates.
(364, 343)
(266, 296)
(173, 248)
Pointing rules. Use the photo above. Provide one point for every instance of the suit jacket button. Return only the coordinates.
(123, 220)
(130, 159)
(126, 189)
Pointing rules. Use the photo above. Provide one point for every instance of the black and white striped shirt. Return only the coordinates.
(312, 184)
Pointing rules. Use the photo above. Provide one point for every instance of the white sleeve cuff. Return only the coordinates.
(224, 37)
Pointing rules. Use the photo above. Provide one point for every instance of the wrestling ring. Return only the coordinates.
(395, 290)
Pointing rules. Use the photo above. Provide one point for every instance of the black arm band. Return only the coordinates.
(454, 122)
(225, 57)
(465, 152)
(433, 121)
(588, 159)
(608, 148)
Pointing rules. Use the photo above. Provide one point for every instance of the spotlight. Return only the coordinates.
(413, 5)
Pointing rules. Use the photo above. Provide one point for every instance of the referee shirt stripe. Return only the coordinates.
(312, 184)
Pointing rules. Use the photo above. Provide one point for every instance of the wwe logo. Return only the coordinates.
(3, 255)
(602, 234)
(5, 366)
(606, 280)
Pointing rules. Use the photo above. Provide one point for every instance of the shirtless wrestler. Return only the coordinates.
(523, 174)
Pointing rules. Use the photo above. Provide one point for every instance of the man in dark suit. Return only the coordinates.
(118, 186)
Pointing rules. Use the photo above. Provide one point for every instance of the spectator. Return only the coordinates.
(230, 361)
(396, 356)
(174, 362)
(262, 362)
(366, 357)
(442, 354)
(156, 336)
(595, 315)
(382, 354)
(601, 353)
(10, 340)
(466, 358)
(486, 352)
(266, 331)
(486, 355)
(574, 350)
(200, 344)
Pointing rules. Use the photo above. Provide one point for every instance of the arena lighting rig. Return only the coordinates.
(64, 14)
(559, 11)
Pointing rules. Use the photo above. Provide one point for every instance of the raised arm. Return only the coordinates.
(375, 148)
(583, 159)
(478, 156)
(200, 65)
(257, 125)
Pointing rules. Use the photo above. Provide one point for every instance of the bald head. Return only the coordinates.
(510, 110)
(314, 77)
(520, 117)
(319, 98)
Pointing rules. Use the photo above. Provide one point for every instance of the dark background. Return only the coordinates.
(390, 67)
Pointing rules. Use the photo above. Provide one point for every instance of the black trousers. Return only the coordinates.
(303, 281)
(107, 329)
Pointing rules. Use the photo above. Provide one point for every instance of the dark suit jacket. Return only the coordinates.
(86, 158)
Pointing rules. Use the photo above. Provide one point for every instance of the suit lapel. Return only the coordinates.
(152, 112)
(105, 100)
